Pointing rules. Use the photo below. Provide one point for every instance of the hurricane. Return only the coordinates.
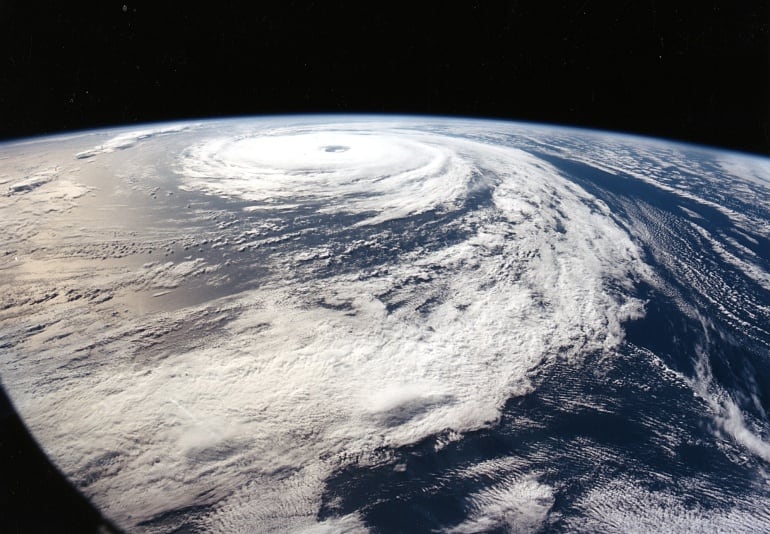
(373, 323)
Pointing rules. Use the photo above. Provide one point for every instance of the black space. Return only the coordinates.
(696, 71)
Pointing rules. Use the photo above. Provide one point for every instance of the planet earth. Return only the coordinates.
(391, 324)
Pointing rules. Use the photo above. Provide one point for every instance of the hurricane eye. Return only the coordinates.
(336, 148)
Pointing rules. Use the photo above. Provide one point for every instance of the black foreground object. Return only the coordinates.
(34, 495)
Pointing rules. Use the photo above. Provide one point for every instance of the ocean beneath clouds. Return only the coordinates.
(388, 324)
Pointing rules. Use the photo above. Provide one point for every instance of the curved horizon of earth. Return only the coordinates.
(375, 323)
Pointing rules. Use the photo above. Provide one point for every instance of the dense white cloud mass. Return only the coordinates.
(277, 302)
(393, 173)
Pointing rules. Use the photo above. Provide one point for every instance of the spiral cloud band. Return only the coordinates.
(388, 173)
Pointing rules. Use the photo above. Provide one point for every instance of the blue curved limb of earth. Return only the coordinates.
(384, 323)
